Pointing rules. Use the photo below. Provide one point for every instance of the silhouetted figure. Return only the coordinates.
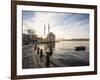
(38, 49)
(47, 59)
(33, 41)
(51, 52)
(41, 53)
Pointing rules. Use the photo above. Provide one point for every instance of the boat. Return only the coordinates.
(79, 48)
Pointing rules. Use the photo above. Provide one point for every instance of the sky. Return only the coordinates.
(62, 24)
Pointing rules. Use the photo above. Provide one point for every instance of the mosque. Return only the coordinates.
(50, 36)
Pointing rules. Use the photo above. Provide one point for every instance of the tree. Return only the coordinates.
(32, 34)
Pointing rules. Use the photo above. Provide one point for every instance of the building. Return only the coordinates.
(25, 39)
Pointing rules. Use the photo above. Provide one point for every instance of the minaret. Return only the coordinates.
(48, 28)
(44, 30)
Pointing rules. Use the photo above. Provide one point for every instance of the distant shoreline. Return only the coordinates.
(75, 40)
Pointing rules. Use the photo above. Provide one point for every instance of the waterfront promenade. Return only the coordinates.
(32, 59)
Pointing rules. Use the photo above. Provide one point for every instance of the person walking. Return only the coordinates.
(38, 50)
(47, 57)
(41, 53)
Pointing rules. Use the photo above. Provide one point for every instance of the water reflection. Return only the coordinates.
(65, 53)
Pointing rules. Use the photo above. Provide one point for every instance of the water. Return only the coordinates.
(64, 52)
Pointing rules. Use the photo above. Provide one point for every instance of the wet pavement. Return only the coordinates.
(30, 58)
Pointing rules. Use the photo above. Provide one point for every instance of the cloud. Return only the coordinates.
(68, 25)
